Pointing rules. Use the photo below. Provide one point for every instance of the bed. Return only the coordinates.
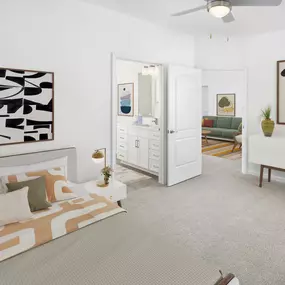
(115, 250)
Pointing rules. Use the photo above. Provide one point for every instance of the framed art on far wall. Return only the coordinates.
(281, 92)
(26, 106)
(126, 99)
(226, 105)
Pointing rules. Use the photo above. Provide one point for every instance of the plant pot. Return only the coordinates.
(106, 179)
(268, 127)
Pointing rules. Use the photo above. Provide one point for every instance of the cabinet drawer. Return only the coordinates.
(122, 155)
(154, 165)
(154, 145)
(122, 146)
(121, 130)
(154, 136)
(154, 154)
(122, 138)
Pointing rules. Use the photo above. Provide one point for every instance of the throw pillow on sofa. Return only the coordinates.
(208, 123)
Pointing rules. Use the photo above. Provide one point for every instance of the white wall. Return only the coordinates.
(263, 52)
(258, 54)
(218, 53)
(224, 82)
(75, 39)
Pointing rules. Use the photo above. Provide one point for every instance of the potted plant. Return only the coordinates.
(267, 124)
(107, 172)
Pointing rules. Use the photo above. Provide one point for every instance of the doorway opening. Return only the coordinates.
(224, 96)
(138, 122)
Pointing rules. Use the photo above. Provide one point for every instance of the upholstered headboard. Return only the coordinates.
(42, 156)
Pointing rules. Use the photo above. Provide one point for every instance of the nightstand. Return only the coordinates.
(115, 191)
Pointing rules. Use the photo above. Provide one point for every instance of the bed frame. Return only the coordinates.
(41, 156)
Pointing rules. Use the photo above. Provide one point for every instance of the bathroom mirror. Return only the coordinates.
(145, 95)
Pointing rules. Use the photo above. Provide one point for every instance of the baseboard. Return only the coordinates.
(273, 177)
(135, 167)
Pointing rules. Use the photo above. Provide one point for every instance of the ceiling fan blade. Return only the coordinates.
(189, 11)
(256, 2)
(229, 18)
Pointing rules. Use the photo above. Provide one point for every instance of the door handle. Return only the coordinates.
(171, 131)
(138, 144)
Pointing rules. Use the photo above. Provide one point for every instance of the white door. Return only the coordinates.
(205, 101)
(184, 124)
(143, 153)
(133, 149)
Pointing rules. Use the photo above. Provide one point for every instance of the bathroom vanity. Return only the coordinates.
(139, 147)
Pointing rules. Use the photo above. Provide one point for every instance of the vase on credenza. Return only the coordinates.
(267, 124)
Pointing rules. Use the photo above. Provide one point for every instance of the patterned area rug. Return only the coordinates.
(128, 176)
(221, 149)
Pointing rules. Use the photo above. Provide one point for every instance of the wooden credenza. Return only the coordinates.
(268, 153)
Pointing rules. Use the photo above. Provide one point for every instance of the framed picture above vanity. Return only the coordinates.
(281, 92)
(126, 99)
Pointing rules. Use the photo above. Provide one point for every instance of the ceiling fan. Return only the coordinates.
(223, 8)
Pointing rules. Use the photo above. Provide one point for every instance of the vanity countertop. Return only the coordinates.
(148, 127)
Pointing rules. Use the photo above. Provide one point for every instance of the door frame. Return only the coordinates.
(245, 111)
(163, 123)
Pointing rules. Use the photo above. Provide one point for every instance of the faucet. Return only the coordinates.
(155, 121)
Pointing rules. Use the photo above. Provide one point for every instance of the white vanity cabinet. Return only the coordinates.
(139, 147)
(122, 143)
(132, 152)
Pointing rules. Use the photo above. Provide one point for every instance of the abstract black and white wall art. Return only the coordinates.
(26, 106)
(281, 92)
(126, 99)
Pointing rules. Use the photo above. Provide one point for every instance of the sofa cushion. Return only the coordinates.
(215, 132)
(236, 122)
(224, 122)
(229, 133)
(214, 118)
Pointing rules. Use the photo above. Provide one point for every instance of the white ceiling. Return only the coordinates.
(249, 20)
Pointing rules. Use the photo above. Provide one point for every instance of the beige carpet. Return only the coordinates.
(221, 149)
(221, 216)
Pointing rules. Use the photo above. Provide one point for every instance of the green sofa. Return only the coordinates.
(225, 128)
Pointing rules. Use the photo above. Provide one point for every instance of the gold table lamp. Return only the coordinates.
(99, 156)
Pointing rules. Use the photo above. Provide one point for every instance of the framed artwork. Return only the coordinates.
(26, 106)
(226, 105)
(281, 92)
(126, 99)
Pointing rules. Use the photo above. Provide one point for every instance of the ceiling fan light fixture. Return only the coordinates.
(219, 8)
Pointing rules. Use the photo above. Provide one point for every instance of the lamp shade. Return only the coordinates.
(98, 157)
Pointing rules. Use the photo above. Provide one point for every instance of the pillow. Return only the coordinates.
(240, 128)
(56, 184)
(37, 196)
(14, 207)
(11, 170)
(208, 123)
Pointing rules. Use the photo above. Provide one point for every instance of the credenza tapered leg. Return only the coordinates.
(261, 175)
